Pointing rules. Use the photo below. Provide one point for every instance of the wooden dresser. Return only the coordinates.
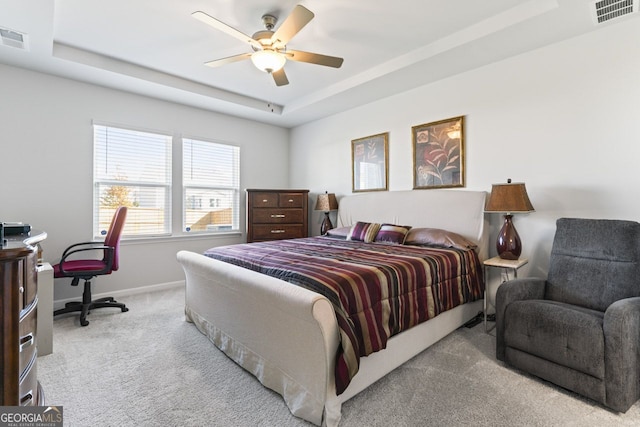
(18, 314)
(277, 214)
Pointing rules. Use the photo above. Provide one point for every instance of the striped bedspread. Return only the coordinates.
(377, 290)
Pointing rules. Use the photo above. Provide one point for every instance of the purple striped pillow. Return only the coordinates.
(391, 233)
(363, 231)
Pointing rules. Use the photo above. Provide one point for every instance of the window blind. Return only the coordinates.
(211, 186)
(132, 168)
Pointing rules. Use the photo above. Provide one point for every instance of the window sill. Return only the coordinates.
(175, 238)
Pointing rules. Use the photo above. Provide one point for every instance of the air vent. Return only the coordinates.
(606, 10)
(13, 38)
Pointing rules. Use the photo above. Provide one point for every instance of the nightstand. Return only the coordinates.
(506, 265)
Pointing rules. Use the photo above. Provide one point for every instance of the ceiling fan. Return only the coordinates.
(270, 51)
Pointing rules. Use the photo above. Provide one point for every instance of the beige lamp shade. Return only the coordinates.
(326, 202)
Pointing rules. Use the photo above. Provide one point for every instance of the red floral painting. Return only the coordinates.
(438, 154)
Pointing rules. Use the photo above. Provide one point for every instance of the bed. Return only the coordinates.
(288, 336)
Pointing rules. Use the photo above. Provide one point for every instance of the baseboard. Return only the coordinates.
(124, 292)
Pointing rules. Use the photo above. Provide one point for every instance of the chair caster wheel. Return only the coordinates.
(125, 309)
(84, 322)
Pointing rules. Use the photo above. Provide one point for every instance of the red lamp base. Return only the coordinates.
(508, 244)
(326, 224)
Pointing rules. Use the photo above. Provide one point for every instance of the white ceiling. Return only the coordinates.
(155, 47)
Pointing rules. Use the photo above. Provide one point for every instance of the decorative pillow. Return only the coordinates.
(342, 232)
(438, 237)
(363, 231)
(390, 233)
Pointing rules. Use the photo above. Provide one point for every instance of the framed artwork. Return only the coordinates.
(370, 164)
(438, 154)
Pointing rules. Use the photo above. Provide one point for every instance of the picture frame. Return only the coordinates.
(438, 154)
(370, 163)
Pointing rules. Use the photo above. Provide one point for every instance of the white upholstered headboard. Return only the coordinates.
(459, 211)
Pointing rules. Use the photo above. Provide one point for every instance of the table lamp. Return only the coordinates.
(326, 202)
(508, 198)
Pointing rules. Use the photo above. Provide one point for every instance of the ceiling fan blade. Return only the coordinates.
(299, 17)
(280, 77)
(219, 25)
(227, 60)
(314, 58)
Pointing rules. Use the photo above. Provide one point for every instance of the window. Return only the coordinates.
(211, 186)
(133, 169)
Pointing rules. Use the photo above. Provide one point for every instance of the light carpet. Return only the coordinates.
(149, 367)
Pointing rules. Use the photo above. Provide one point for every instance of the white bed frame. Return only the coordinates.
(287, 336)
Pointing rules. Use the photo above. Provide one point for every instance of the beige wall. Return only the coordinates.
(46, 140)
(564, 119)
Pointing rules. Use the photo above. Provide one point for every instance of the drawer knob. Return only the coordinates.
(22, 289)
(26, 341)
(277, 216)
(277, 231)
(264, 200)
(27, 399)
(290, 200)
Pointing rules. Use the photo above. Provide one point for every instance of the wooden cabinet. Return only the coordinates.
(277, 214)
(18, 314)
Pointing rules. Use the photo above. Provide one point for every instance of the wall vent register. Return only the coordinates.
(13, 38)
(606, 10)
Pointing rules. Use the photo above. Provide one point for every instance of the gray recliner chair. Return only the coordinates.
(579, 328)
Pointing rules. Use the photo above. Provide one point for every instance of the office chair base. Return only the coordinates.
(85, 309)
(86, 305)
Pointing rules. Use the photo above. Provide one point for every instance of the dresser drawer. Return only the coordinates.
(278, 216)
(291, 200)
(27, 339)
(264, 200)
(30, 279)
(20, 283)
(27, 281)
(284, 231)
(28, 389)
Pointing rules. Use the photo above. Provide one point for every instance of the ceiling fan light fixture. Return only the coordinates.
(268, 60)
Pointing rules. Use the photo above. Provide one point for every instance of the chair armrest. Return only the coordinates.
(75, 245)
(95, 246)
(622, 353)
(508, 292)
